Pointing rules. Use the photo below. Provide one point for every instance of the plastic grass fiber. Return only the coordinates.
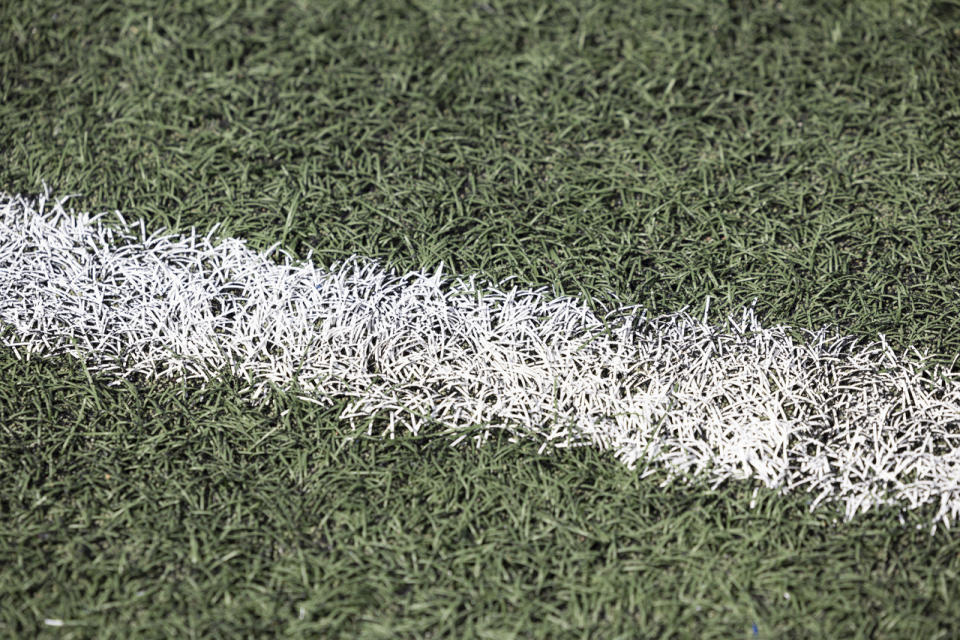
(842, 420)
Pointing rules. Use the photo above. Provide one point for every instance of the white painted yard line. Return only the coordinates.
(843, 421)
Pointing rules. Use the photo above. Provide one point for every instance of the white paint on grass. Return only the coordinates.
(844, 421)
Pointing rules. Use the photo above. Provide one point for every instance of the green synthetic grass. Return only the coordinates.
(806, 155)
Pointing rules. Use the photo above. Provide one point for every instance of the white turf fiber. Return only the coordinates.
(843, 421)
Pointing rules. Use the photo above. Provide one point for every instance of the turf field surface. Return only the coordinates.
(803, 155)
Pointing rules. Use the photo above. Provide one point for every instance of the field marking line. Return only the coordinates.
(844, 421)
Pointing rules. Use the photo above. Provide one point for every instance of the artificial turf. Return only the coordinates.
(803, 154)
